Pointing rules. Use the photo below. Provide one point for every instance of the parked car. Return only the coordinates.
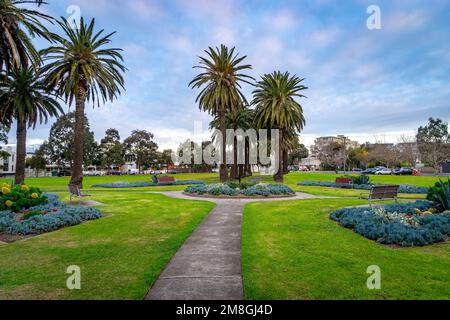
(133, 172)
(357, 170)
(115, 173)
(172, 172)
(404, 172)
(371, 170)
(64, 173)
(91, 173)
(384, 172)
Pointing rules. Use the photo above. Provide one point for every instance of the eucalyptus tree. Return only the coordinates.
(220, 79)
(83, 69)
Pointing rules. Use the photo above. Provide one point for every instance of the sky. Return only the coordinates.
(368, 84)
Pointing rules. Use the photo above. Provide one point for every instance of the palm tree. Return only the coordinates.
(17, 26)
(240, 119)
(82, 69)
(24, 97)
(276, 107)
(220, 83)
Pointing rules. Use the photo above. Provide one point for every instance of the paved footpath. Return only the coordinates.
(208, 265)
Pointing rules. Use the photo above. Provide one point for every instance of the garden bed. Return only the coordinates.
(48, 217)
(125, 184)
(404, 188)
(410, 224)
(242, 191)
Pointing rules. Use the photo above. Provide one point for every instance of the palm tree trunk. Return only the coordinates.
(234, 168)
(279, 177)
(247, 166)
(21, 152)
(223, 166)
(77, 168)
(285, 162)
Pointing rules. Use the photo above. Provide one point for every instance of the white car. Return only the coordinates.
(384, 172)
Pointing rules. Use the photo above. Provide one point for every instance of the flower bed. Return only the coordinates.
(44, 218)
(124, 184)
(243, 190)
(19, 197)
(404, 188)
(412, 224)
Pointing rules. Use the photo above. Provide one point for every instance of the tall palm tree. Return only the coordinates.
(240, 119)
(82, 69)
(17, 26)
(220, 83)
(24, 97)
(276, 107)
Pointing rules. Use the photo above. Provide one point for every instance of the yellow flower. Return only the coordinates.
(25, 188)
(9, 203)
(6, 190)
(34, 195)
(5, 185)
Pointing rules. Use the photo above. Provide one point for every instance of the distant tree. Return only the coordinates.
(433, 141)
(330, 155)
(301, 152)
(4, 134)
(4, 139)
(166, 157)
(385, 154)
(141, 145)
(358, 157)
(61, 141)
(38, 162)
(111, 151)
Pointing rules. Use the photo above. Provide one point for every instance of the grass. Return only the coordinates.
(54, 184)
(291, 250)
(120, 255)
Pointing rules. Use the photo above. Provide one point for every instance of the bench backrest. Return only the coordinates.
(74, 190)
(166, 179)
(384, 192)
(344, 181)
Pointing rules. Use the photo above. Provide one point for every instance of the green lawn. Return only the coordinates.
(291, 250)
(55, 184)
(120, 255)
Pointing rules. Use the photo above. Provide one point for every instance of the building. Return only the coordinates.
(8, 164)
(322, 142)
(311, 163)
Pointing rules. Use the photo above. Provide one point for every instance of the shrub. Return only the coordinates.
(20, 197)
(361, 179)
(404, 188)
(45, 218)
(264, 190)
(396, 223)
(440, 193)
(125, 184)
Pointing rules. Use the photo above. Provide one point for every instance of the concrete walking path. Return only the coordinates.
(208, 265)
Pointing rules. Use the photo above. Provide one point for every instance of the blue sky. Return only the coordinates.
(369, 84)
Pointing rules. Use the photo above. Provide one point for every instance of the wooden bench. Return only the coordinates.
(75, 191)
(165, 179)
(382, 193)
(344, 181)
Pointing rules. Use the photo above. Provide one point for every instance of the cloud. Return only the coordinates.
(282, 20)
(406, 21)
